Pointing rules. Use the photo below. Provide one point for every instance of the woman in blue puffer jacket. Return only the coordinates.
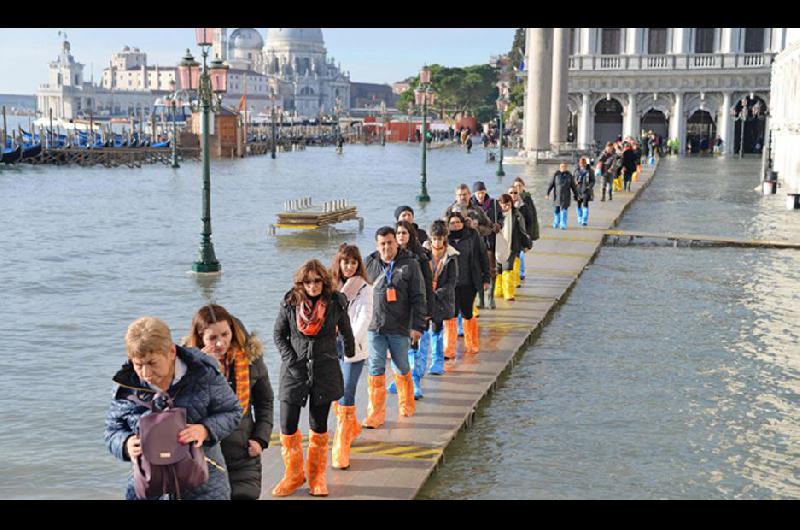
(192, 379)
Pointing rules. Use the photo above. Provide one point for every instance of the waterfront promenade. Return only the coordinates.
(394, 462)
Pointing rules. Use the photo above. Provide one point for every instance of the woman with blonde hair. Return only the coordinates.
(350, 277)
(219, 334)
(305, 335)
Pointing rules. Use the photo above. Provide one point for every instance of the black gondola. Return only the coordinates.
(32, 151)
(12, 155)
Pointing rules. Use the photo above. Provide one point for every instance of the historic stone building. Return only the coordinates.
(785, 111)
(68, 96)
(683, 83)
(291, 63)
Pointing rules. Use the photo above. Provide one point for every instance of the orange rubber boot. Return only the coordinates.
(317, 463)
(293, 476)
(450, 338)
(340, 455)
(355, 427)
(471, 334)
(376, 412)
(405, 394)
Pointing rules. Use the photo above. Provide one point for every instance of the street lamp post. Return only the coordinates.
(210, 84)
(383, 128)
(423, 95)
(174, 143)
(272, 120)
(502, 105)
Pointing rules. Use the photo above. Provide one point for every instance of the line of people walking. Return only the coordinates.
(405, 299)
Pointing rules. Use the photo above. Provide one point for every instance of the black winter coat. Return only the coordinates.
(473, 263)
(528, 211)
(561, 185)
(423, 256)
(208, 400)
(444, 296)
(244, 471)
(584, 182)
(409, 311)
(495, 215)
(310, 365)
(630, 159)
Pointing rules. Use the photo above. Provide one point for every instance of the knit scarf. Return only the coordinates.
(241, 371)
(310, 318)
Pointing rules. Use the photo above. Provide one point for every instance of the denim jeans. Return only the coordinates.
(351, 373)
(397, 345)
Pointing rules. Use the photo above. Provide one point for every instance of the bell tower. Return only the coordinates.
(220, 44)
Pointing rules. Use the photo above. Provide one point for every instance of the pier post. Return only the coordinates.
(4, 127)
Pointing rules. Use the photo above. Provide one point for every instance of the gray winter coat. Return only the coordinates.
(584, 182)
(411, 307)
(561, 185)
(208, 400)
(310, 365)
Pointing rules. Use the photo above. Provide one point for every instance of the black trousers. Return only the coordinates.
(465, 296)
(317, 417)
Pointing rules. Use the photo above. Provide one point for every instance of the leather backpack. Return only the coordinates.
(166, 466)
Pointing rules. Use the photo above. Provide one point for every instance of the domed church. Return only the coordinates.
(295, 64)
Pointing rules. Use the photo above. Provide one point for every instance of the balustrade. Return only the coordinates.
(696, 61)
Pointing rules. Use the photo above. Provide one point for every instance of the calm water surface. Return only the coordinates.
(668, 373)
(89, 250)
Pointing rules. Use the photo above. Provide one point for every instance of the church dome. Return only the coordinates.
(246, 39)
(294, 35)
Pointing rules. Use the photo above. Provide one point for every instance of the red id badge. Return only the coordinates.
(391, 295)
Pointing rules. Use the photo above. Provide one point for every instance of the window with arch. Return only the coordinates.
(754, 40)
(656, 41)
(704, 40)
(611, 39)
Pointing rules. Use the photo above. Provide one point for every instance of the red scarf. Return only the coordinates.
(310, 319)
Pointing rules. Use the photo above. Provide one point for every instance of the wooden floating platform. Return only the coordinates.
(716, 241)
(313, 217)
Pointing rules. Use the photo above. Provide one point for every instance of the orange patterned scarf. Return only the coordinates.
(241, 372)
(310, 319)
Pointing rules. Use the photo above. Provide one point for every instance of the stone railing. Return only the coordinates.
(693, 61)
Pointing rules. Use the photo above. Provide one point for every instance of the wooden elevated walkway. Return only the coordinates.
(619, 236)
(395, 461)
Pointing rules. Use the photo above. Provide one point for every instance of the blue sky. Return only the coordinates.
(373, 55)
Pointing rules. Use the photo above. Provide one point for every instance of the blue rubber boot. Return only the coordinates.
(563, 218)
(460, 326)
(437, 353)
(521, 266)
(419, 363)
(586, 215)
(555, 218)
(392, 387)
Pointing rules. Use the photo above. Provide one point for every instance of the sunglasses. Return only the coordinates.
(513, 193)
(315, 281)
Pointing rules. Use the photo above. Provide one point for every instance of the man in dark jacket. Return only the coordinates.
(399, 310)
(476, 216)
(193, 380)
(493, 211)
(561, 185)
(609, 159)
(406, 213)
(630, 159)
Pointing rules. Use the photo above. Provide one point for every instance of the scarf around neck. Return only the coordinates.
(237, 358)
(311, 317)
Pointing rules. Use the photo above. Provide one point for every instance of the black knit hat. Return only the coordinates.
(401, 209)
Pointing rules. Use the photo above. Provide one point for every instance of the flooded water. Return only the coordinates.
(667, 373)
(88, 250)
